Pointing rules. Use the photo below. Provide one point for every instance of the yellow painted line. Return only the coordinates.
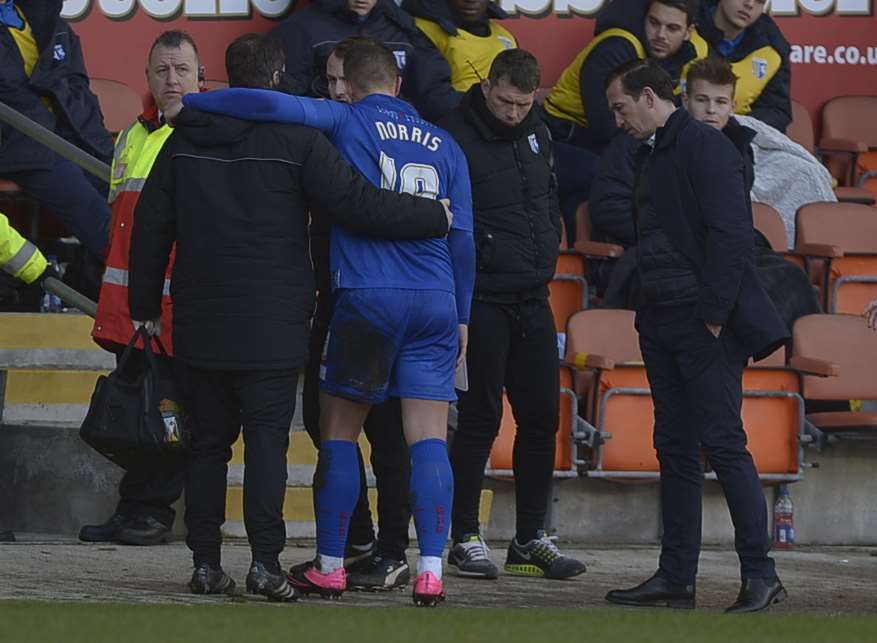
(298, 505)
(301, 450)
(50, 387)
(42, 330)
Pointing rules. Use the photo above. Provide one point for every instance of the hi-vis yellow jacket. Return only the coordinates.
(18, 256)
(469, 56)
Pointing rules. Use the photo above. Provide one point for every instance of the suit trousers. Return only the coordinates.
(219, 403)
(697, 387)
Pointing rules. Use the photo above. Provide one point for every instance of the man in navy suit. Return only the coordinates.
(701, 313)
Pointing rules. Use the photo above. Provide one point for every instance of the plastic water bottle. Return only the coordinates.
(783, 520)
(51, 303)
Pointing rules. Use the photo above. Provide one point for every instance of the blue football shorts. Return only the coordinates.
(391, 342)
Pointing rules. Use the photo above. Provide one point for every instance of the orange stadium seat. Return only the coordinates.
(619, 406)
(840, 241)
(768, 222)
(800, 130)
(843, 344)
(119, 103)
(501, 455)
(849, 139)
(567, 294)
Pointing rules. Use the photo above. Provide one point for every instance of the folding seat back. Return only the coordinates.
(500, 463)
(768, 222)
(570, 263)
(849, 233)
(567, 294)
(611, 378)
(800, 129)
(849, 135)
(851, 118)
(119, 103)
(845, 342)
(773, 417)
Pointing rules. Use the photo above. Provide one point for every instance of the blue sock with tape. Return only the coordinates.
(432, 494)
(336, 490)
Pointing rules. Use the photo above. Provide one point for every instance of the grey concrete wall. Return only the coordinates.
(51, 482)
(835, 504)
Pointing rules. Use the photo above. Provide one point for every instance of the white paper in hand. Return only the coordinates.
(461, 378)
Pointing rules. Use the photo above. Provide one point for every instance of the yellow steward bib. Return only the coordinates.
(470, 56)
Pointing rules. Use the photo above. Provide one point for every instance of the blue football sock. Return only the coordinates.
(432, 493)
(336, 490)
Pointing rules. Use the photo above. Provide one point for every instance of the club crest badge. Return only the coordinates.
(759, 68)
(534, 143)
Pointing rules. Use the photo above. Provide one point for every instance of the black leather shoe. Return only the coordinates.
(757, 594)
(271, 584)
(143, 531)
(655, 592)
(103, 533)
(210, 579)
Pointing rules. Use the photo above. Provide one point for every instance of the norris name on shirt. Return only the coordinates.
(411, 133)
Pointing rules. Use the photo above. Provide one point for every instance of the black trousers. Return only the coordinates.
(511, 346)
(149, 491)
(389, 456)
(219, 403)
(697, 386)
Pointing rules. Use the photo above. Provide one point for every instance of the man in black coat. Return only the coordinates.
(701, 314)
(311, 34)
(512, 340)
(43, 76)
(710, 99)
(234, 196)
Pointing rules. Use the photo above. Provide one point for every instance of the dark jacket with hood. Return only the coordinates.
(311, 34)
(60, 76)
(514, 200)
(595, 68)
(751, 59)
(234, 196)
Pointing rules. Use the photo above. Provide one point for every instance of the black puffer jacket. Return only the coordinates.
(59, 75)
(310, 35)
(514, 198)
(234, 196)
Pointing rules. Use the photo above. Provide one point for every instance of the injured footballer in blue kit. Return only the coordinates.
(402, 308)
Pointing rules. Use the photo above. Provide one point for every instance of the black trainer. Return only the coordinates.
(210, 579)
(471, 557)
(540, 557)
(272, 585)
(379, 574)
(105, 532)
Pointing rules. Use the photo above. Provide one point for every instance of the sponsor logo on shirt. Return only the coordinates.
(58, 52)
(506, 42)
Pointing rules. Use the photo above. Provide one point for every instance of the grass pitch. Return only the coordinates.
(25, 622)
